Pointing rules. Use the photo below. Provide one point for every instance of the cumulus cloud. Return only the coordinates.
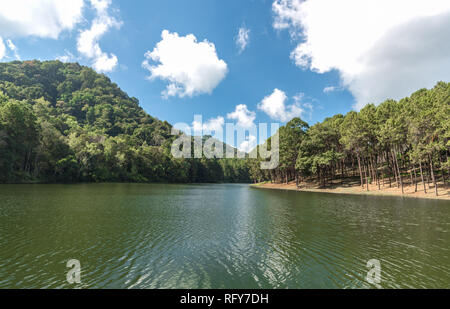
(11, 45)
(243, 38)
(190, 67)
(13, 48)
(8, 45)
(213, 124)
(275, 106)
(49, 18)
(248, 145)
(40, 18)
(304, 103)
(2, 49)
(329, 89)
(245, 118)
(66, 57)
(88, 40)
(381, 48)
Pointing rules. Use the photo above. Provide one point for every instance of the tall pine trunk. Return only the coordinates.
(398, 171)
(367, 180)
(360, 171)
(375, 171)
(395, 170)
(443, 172)
(415, 179)
(411, 175)
(432, 175)
(389, 169)
(423, 180)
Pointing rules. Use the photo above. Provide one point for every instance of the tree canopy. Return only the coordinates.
(394, 140)
(66, 123)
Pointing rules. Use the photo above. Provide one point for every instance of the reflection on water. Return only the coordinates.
(217, 236)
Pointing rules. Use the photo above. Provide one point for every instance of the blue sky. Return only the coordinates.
(296, 49)
(253, 74)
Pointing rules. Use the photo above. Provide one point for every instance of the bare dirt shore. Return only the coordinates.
(355, 188)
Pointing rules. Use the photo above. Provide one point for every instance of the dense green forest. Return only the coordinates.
(66, 123)
(393, 143)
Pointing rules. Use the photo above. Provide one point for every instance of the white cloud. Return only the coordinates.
(40, 18)
(275, 106)
(248, 145)
(305, 105)
(11, 45)
(2, 49)
(88, 40)
(101, 5)
(381, 48)
(13, 48)
(243, 38)
(214, 124)
(49, 18)
(245, 118)
(329, 89)
(190, 67)
(67, 57)
(64, 58)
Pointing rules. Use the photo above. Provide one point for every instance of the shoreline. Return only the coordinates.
(444, 193)
(353, 189)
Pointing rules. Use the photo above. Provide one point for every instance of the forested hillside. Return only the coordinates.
(66, 123)
(393, 144)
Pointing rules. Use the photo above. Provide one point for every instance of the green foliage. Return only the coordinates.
(66, 123)
(391, 139)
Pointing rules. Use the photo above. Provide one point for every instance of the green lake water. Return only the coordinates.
(217, 236)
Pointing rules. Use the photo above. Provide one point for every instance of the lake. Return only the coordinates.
(218, 236)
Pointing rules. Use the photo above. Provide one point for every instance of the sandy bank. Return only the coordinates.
(354, 188)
